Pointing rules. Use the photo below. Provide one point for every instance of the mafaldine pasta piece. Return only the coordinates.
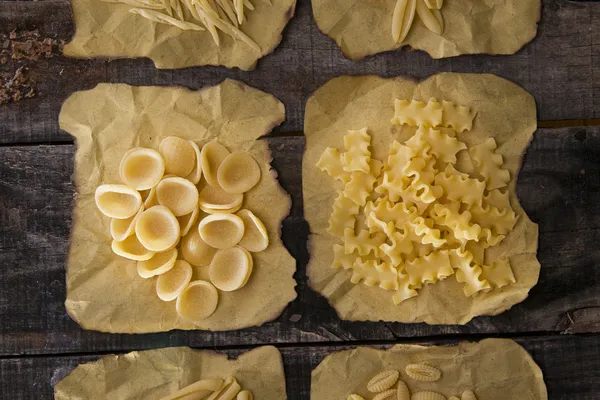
(428, 396)
(178, 194)
(196, 173)
(205, 386)
(402, 391)
(222, 231)
(121, 229)
(238, 172)
(402, 19)
(230, 269)
(428, 18)
(212, 155)
(118, 201)
(187, 221)
(468, 395)
(245, 395)
(179, 156)
(417, 113)
(170, 284)
(255, 237)
(383, 381)
(195, 250)
(387, 395)
(233, 210)
(157, 229)
(198, 301)
(142, 168)
(230, 389)
(158, 264)
(132, 249)
(423, 373)
(215, 198)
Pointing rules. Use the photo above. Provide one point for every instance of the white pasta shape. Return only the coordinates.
(443, 147)
(341, 259)
(383, 381)
(417, 113)
(363, 243)
(402, 245)
(468, 395)
(423, 373)
(387, 395)
(428, 396)
(460, 223)
(373, 273)
(331, 162)
(467, 272)
(499, 221)
(489, 164)
(460, 187)
(405, 291)
(342, 216)
(499, 274)
(423, 227)
(361, 184)
(402, 391)
(459, 118)
(357, 155)
(429, 269)
(385, 210)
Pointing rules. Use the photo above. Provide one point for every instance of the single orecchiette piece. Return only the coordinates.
(212, 155)
(195, 250)
(230, 269)
(142, 168)
(170, 284)
(383, 381)
(245, 395)
(157, 229)
(402, 391)
(387, 395)
(256, 238)
(132, 249)
(158, 264)
(118, 201)
(187, 221)
(178, 194)
(178, 154)
(121, 229)
(215, 198)
(428, 396)
(468, 395)
(221, 231)
(196, 173)
(197, 301)
(149, 197)
(402, 19)
(423, 372)
(238, 172)
(205, 385)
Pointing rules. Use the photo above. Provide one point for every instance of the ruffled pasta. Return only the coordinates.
(341, 259)
(343, 215)
(404, 291)
(468, 273)
(423, 227)
(385, 210)
(499, 274)
(489, 164)
(500, 222)
(357, 155)
(417, 113)
(460, 224)
(442, 146)
(459, 118)
(401, 246)
(429, 269)
(361, 184)
(373, 273)
(331, 162)
(363, 243)
(460, 187)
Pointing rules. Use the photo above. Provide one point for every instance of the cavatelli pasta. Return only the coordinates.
(423, 372)
(383, 381)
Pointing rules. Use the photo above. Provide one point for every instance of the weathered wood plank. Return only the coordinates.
(559, 68)
(559, 187)
(571, 367)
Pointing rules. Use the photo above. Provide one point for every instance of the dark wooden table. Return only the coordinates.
(559, 187)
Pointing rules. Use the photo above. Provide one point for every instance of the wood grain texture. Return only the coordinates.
(560, 67)
(559, 187)
(570, 366)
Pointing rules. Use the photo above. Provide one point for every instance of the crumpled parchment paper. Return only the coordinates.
(153, 374)
(495, 369)
(104, 291)
(105, 29)
(504, 111)
(364, 27)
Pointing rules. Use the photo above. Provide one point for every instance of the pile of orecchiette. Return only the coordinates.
(169, 219)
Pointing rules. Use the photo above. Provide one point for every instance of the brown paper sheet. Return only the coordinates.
(364, 27)
(153, 374)
(504, 111)
(495, 369)
(109, 30)
(104, 291)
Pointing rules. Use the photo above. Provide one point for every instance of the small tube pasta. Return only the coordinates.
(238, 172)
(221, 231)
(177, 194)
(170, 284)
(158, 264)
(157, 229)
(212, 155)
(196, 173)
(187, 221)
(230, 269)
(195, 250)
(132, 249)
(179, 156)
(198, 301)
(118, 201)
(255, 238)
(428, 18)
(121, 229)
(215, 198)
(203, 385)
(142, 168)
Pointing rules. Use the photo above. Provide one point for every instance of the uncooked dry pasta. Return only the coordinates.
(238, 172)
(132, 249)
(157, 229)
(196, 173)
(221, 231)
(158, 264)
(428, 395)
(423, 372)
(187, 221)
(212, 155)
(355, 397)
(217, 200)
(178, 194)
(468, 395)
(230, 269)
(118, 201)
(245, 395)
(213, 388)
(405, 12)
(142, 168)
(383, 381)
(387, 395)
(195, 250)
(170, 284)
(178, 154)
(403, 393)
(201, 387)
(121, 229)
(255, 238)
(197, 301)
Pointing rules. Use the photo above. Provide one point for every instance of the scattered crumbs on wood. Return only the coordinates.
(28, 45)
(295, 318)
(17, 86)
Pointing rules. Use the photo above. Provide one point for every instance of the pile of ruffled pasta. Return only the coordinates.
(404, 16)
(226, 16)
(421, 216)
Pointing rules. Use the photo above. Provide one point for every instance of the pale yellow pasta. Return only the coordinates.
(361, 184)
(461, 225)
(427, 395)
(423, 372)
(428, 19)
(460, 187)
(177, 194)
(170, 284)
(195, 250)
(387, 211)
(121, 229)
(205, 386)
(230, 269)
(215, 198)
(228, 391)
(402, 391)
(402, 19)
(157, 229)
(357, 155)
(468, 395)
(489, 164)
(459, 118)
(331, 162)
(417, 113)
(158, 264)
(245, 395)
(500, 222)
(212, 155)
(196, 173)
(429, 269)
(497, 198)
(423, 227)
(341, 259)
(399, 156)
(197, 301)
(443, 147)
(468, 272)
(387, 395)
(142, 168)
(342, 216)
(434, 4)
(232, 210)
(383, 381)
(401, 245)
(238, 172)
(132, 249)
(256, 238)
(149, 198)
(373, 273)
(499, 274)
(118, 201)
(405, 290)
(179, 156)
(221, 231)
(363, 243)
(355, 397)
